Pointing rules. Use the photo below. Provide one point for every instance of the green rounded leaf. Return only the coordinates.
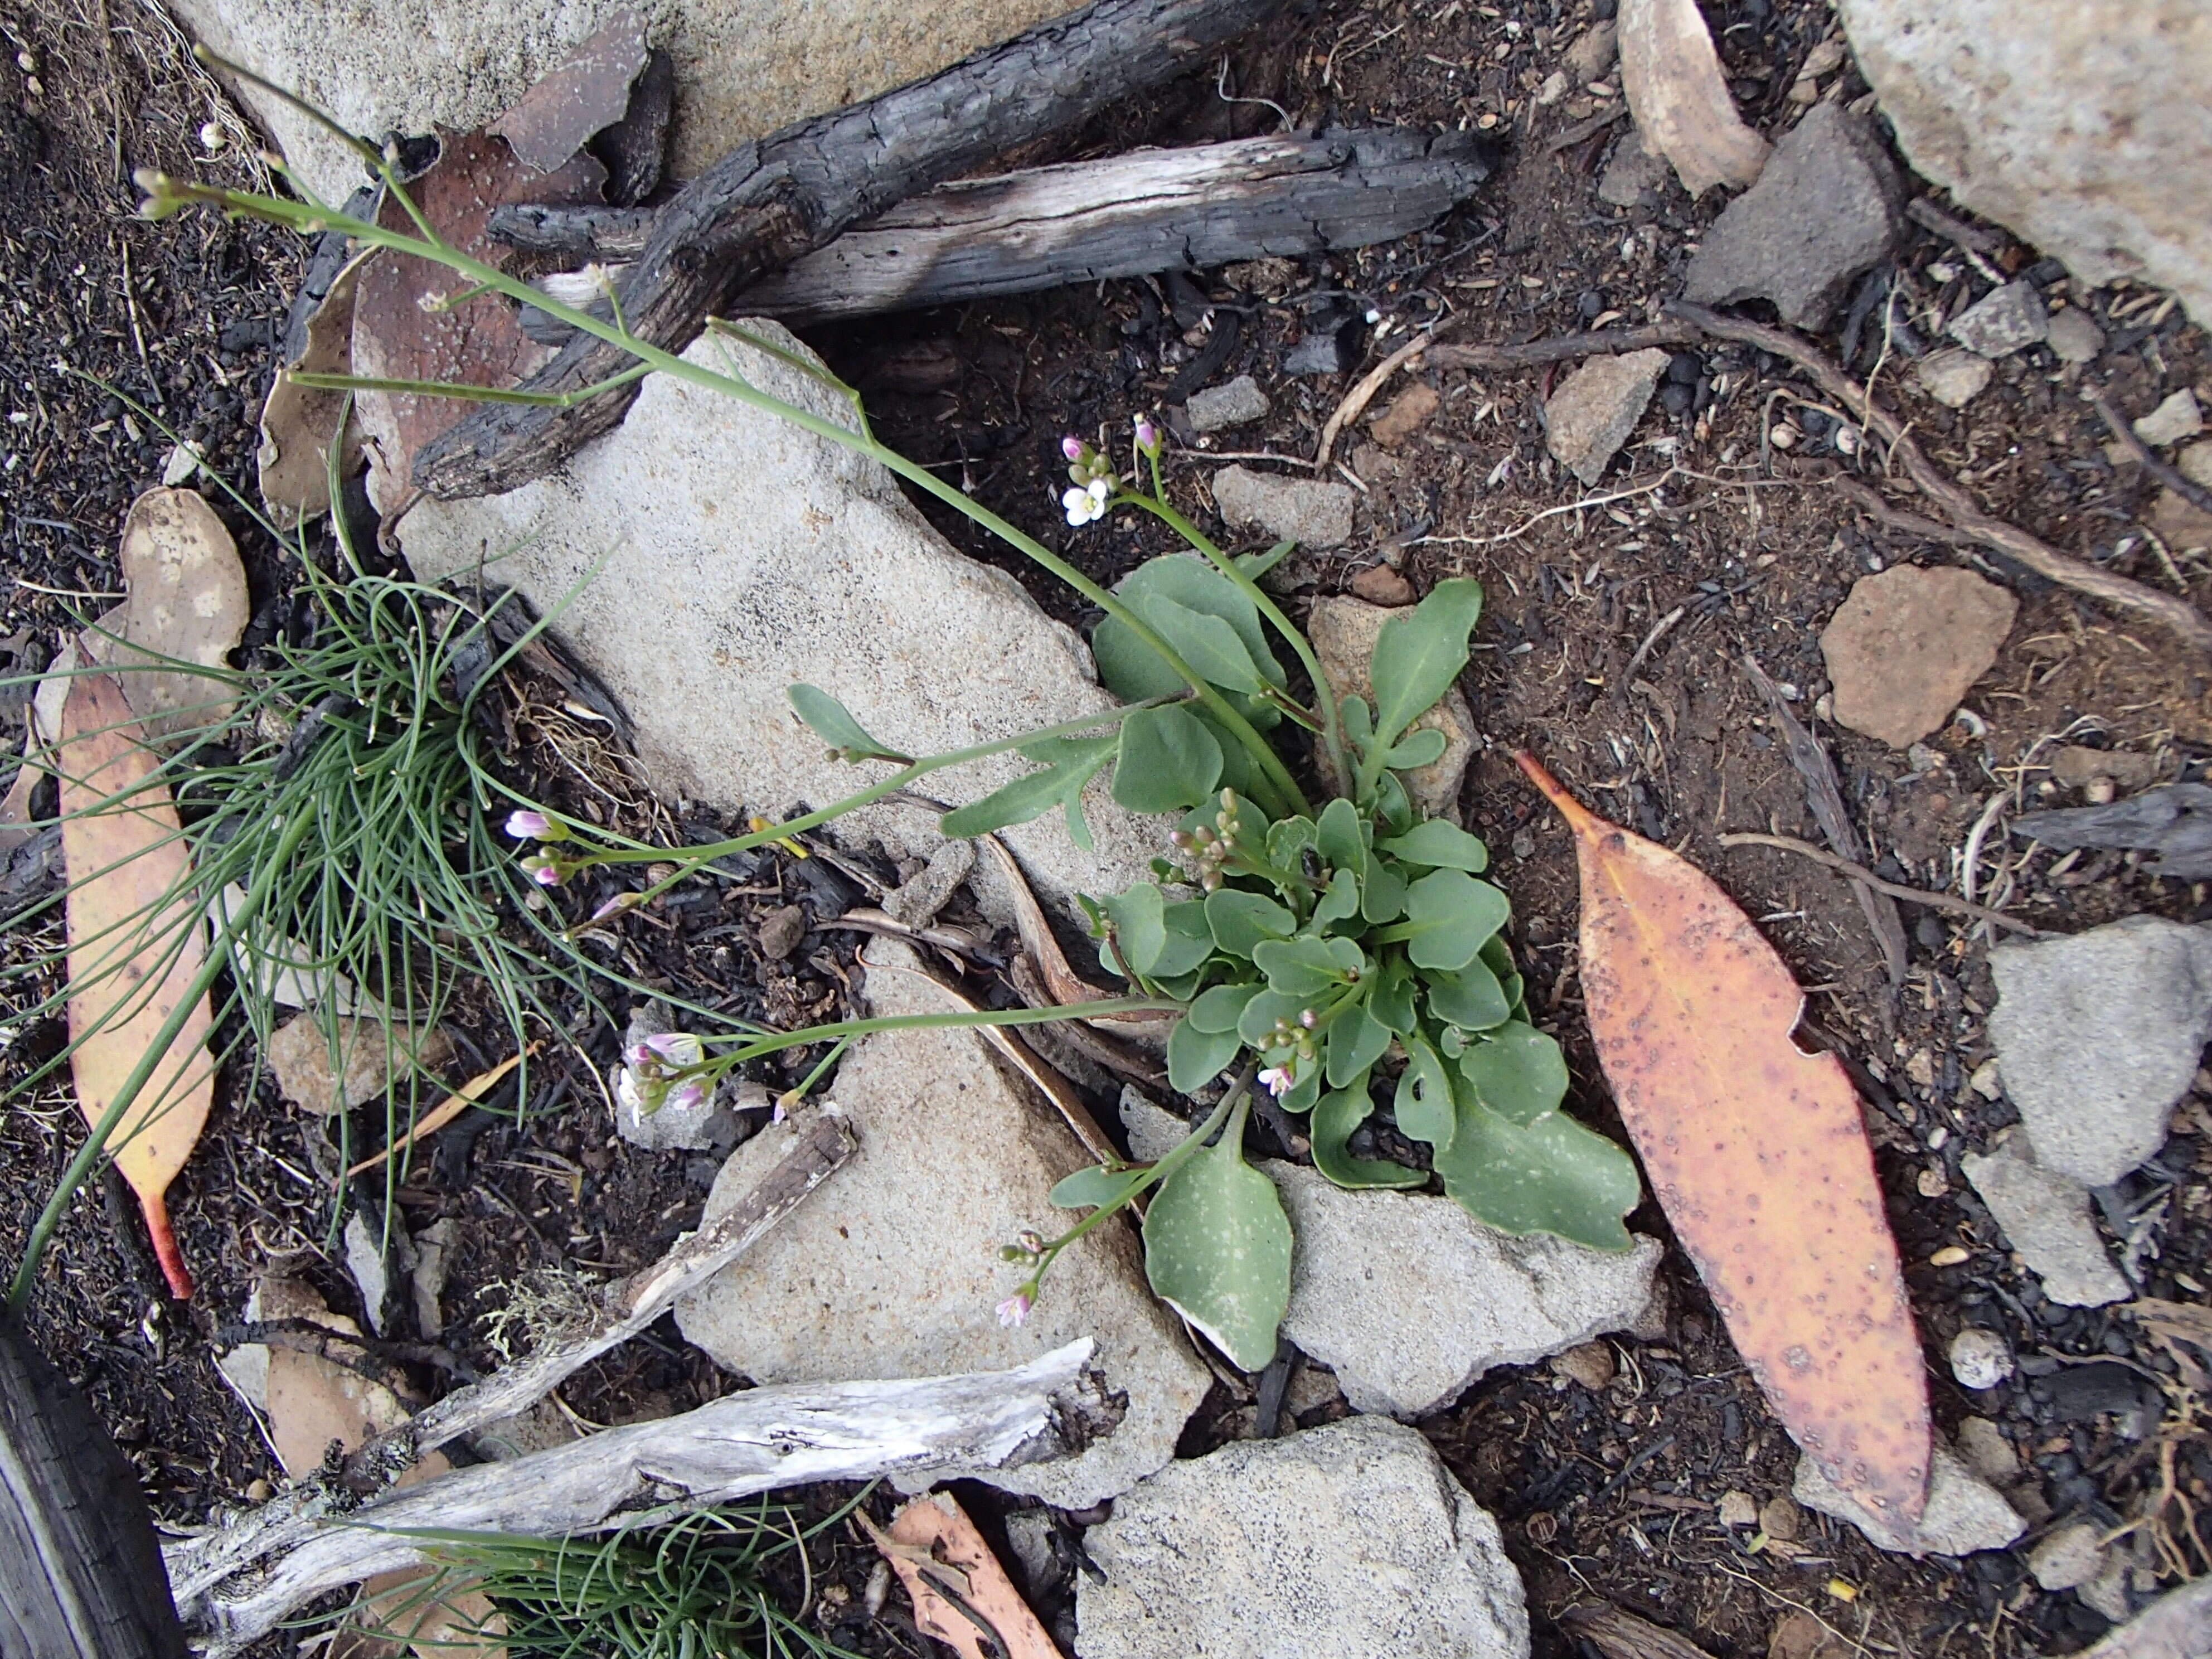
(1515, 1071)
(1168, 761)
(1218, 1249)
(1419, 653)
(1338, 835)
(1381, 895)
(1438, 844)
(1551, 1176)
(1189, 940)
(1140, 931)
(833, 722)
(1356, 1042)
(1470, 997)
(1221, 1007)
(1340, 902)
(1423, 747)
(1307, 966)
(1241, 920)
(1259, 1016)
(1449, 915)
(1392, 999)
(1287, 839)
(1097, 1187)
(1335, 1117)
(1196, 1058)
(1424, 1106)
(1208, 644)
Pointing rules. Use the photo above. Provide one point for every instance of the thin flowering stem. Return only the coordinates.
(1280, 792)
(1324, 694)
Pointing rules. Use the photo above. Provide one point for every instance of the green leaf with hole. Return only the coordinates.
(1335, 1115)
(1217, 1249)
(1515, 1071)
(1424, 1106)
(1356, 1042)
(1096, 1187)
(1420, 652)
(1196, 1058)
(1340, 902)
(1423, 747)
(1470, 997)
(1287, 839)
(1439, 844)
(1449, 915)
(1551, 1176)
(832, 722)
(1309, 966)
(1168, 761)
(1339, 835)
(1219, 1009)
(1241, 920)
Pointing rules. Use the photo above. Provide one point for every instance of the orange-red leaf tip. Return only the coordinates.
(1580, 818)
(165, 1246)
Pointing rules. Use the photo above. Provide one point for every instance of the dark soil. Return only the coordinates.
(1607, 1494)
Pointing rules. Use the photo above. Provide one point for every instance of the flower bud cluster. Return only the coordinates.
(659, 1071)
(1094, 480)
(1209, 849)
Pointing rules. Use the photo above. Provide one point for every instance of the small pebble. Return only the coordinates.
(1980, 1358)
(1932, 1183)
(1590, 1364)
(1780, 1517)
(1951, 1256)
(1739, 1508)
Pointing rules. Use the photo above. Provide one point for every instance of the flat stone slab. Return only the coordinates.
(2045, 1217)
(1298, 509)
(743, 68)
(1588, 418)
(1343, 1542)
(2098, 1036)
(1964, 1513)
(892, 1270)
(1907, 643)
(705, 554)
(2002, 320)
(1825, 208)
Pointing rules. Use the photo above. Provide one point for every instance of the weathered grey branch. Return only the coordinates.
(1128, 216)
(734, 1448)
(763, 205)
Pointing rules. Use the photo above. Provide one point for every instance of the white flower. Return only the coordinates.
(1016, 1308)
(1085, 505)
(1277, 1079)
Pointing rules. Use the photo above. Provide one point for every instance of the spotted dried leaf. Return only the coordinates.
(1757, 1153)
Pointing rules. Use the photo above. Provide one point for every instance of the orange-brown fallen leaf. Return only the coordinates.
(1757, 1153)
(962, 1596)
(132, 957)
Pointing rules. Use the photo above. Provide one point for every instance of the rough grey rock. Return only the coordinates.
(1906, 644)
(2176, 417)
(1351, 1539)
(1984, 1449)
(1360, 1260)
(1633, 175)
(1964, 1513)
(299, 1057)
(1219, 407)
(2067, 1557)
(743, 67)
(2002, 321)
(2074, 337)
(2098, 1035)
(1344, 632)
(893, 1268)
(2045, 1217)
(2195, 464)
(1954, 376)
(1596, 408)
(1825, 209)
(736, 553)
(2082, 124)
(916, 903)
(670, 1127)
(1298, 509)
(1980, 1358)
(1594, 52)
(2108, 1591)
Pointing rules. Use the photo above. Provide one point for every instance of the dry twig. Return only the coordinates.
(1842, 865)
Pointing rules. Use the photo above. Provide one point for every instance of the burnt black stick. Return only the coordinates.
(770, 201)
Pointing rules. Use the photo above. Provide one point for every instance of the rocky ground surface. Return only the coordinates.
(1643, 526)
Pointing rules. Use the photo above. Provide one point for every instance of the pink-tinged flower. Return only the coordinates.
(678, 1049)
(687, 1096)
(1277, 1079)
(615, 906)
(1072, 446)
(546, 873)
(1148, 435)
(525, 825)
(1016, 1308)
